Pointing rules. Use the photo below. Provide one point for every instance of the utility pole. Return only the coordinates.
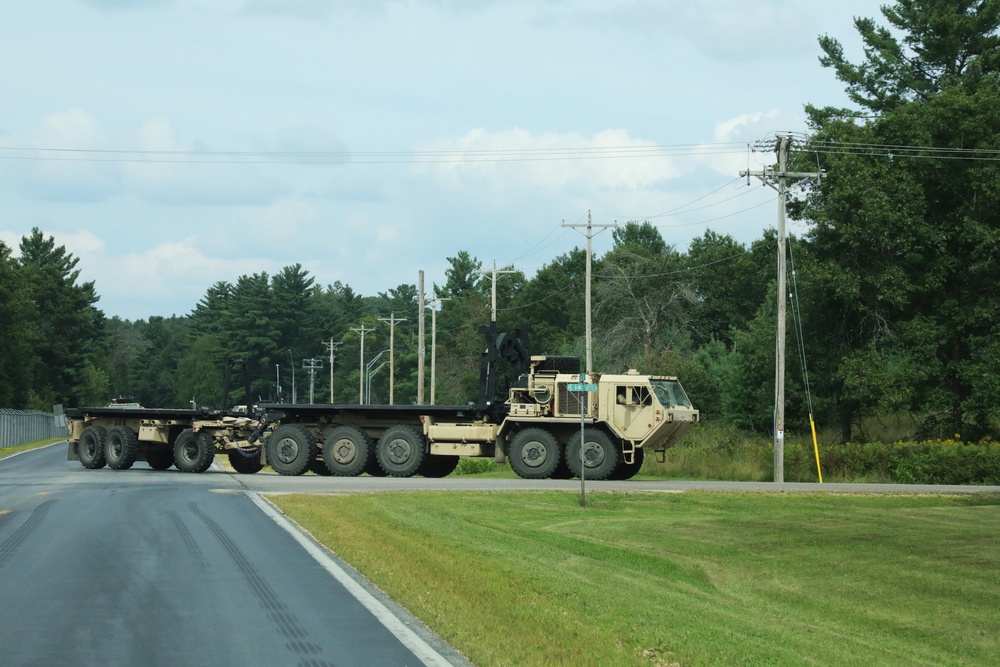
(590, 252)
(312, 365)
(433, 304)
(291, 362)
(420, 338)
(361, 369)
(779, 181)
(330, 345)
(392, 366)
(493, 299)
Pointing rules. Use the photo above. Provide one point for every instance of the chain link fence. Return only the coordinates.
(20, 426)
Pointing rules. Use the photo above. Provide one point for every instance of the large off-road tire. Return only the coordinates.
(534, 453)
(121, 447)
(401, 451)
(194, 451)
(600, 454)
(290, 449)
(373, 468)
(245, 463)
(91, 447)
(318, 467)
(347, 451)
(159, 459)
(439, 465)
(629, 470)
(562, 470)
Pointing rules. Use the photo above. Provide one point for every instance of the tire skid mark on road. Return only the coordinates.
(189, 542)
(285, 622)
(10, 546)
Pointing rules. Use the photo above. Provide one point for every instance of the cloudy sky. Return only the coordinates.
(170, 144)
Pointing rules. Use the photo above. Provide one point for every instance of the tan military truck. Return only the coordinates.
(548, 421)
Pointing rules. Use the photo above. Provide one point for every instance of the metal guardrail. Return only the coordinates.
(20, 426)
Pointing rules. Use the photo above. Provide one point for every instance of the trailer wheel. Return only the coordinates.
(91, 447)
(245, 463)
(534, 454)
(439, 465)
(159, 459)
(401, 451)
(120, 448)
(599, 453)
(347, 451)
(290, 449)
(194, 451)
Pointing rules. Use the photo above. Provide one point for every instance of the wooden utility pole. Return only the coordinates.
(331, 345)
(392, 341)
(590, 252)
(312, 365)
(420, 338)
(435, 300)
(361, 369)
(779, 181)
(493, 292)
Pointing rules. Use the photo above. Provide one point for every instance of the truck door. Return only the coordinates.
(633, 412)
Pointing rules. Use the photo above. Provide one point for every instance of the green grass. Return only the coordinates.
(681, 579)
(8, 451)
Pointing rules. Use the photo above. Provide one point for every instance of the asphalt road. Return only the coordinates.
(140, 567)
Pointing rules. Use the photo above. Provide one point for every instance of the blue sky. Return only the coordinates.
(170, 144)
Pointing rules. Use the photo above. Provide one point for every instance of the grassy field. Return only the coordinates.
(681, 579)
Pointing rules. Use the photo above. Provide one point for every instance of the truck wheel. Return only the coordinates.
(599, 453)
(290, 449)
(439, 465)
(562, 471)
(194, 451)
(245, 463)
(534, 454)
(347, 451)
(373, 468)
(159, 459)
(401, 451)
(91, 447)
(120, 448)
(629, 470)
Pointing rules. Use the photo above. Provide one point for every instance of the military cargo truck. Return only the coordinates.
(536, 421)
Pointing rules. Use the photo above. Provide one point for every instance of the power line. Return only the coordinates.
(65, 154)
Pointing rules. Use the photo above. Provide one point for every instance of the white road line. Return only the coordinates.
(408, 637)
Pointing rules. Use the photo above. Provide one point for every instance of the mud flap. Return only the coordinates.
(500, 451)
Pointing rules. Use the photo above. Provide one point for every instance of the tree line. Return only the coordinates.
(895, 306)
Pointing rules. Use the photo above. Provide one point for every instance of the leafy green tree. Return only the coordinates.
(906, 226)
(642, 297)
(17, 314)
(69, 328)
(551, 304)
(730, 282)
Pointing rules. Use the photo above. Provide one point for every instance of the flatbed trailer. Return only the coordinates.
(118, 436)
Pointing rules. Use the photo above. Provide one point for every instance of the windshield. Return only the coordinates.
(670, 393)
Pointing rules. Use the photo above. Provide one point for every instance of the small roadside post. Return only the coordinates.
(583, 387)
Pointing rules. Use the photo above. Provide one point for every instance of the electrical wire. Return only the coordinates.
(363, 157)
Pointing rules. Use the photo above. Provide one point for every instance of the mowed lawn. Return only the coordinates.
(696, 578)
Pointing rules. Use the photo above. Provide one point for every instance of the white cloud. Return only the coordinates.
(544, 162)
